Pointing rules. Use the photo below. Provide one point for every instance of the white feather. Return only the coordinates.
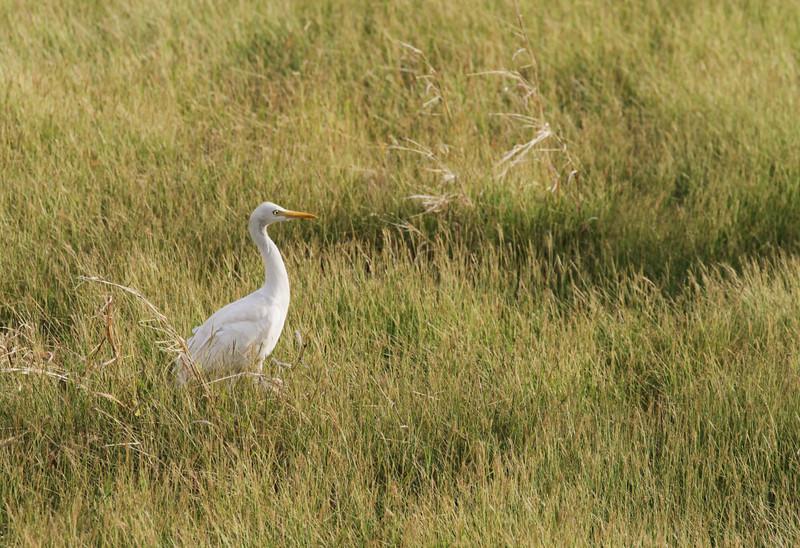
(239, 336)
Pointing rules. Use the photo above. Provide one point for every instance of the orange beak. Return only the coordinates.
(297, 214)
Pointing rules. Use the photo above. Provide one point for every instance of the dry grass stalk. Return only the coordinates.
(433, 203)
(106, 312)
(438, 203)
(534, 119)
(17, 349)
(175, 343)
(429, 77)
(441, 169)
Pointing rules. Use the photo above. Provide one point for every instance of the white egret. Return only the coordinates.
(239, 336)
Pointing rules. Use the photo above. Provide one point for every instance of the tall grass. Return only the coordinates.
(594, 343)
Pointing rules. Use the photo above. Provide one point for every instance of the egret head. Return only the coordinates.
(268, 213)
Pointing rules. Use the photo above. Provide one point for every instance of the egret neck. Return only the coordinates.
(276, 279)
(243, 333)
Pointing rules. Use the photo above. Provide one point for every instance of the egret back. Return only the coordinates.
(238, 336)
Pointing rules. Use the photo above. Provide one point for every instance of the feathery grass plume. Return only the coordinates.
(438, 166)
(437, 204)
(420, 68)
(524, 80)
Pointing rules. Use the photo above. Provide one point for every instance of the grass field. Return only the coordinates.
(553, 294)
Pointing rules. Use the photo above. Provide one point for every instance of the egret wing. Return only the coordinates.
(231, 336)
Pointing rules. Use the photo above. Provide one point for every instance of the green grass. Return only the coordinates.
(614, 362)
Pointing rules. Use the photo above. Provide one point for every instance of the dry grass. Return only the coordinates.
(491, 353)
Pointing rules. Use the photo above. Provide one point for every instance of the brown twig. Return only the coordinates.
(178, 342)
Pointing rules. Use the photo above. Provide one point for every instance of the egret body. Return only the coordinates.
(239, 336)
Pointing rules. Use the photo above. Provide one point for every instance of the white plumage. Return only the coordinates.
(239, 336)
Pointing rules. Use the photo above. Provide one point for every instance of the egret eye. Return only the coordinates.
(251, 325)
